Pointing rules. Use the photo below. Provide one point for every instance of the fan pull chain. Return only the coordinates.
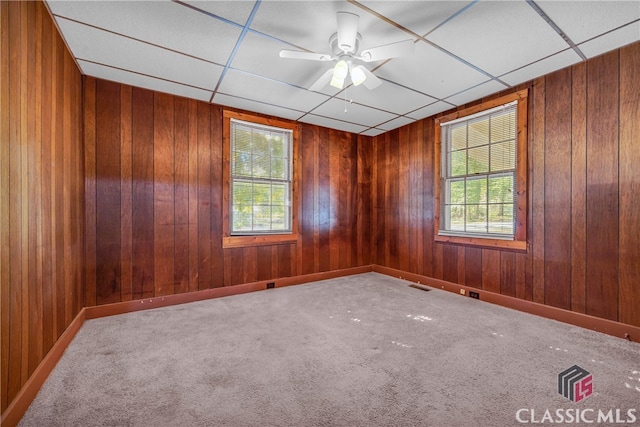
(345, 100)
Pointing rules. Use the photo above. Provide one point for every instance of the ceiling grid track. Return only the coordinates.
(236, 47)
(557, 29)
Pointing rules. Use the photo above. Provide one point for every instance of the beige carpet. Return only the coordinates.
(365, 350)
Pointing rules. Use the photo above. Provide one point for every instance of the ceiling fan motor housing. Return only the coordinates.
(339, 51)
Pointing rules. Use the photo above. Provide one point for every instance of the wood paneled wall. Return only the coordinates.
(41, 176)
(154, 199)
(584, 193)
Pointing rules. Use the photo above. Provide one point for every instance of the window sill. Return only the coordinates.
(258, 240)
(516, 245)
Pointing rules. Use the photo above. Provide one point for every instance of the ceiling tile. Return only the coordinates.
(615, 39)
(420, 20)
(260, 55)
(430, 110)
(476, 92)
(545, 66)
(256, 107)
(388, 97)
(332, 123)
(499, 36)
(432, 72)
(309, 24)
(356, 113)
(584, 20)
(373, 132)
(91, 44)
(234, 11)
(133, 79)
(165, 24)
(248, 86)
(395, 123)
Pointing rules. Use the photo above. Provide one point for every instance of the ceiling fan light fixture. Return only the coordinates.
(340, 72)
(357, 76)
(337, 83)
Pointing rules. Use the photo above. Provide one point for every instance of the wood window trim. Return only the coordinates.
(228, 240)
(519, 241)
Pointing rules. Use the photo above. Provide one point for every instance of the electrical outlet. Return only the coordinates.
(463, 292)
(474, 295)
(271, 285)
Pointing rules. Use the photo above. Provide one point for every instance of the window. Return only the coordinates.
(259, 170)
(481, 174)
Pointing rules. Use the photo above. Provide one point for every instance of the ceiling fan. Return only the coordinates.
(344, 46)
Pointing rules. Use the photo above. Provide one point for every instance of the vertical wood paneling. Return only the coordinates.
(126, 194)
(537, 194)
(578, 187)
(582, 206)
(602, 187)
(193, 196)
(204, 197)
(164, 194)
(41, 184)
(217, 265)
(90, 190)
(557, 190)
(181, 194)
(306, 223)
(108, 192)
(491, 270)
(629, 296)
(324, 200)
(5, 254)
(166, 162)
(142, 194)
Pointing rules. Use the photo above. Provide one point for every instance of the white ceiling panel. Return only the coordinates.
(235, 11)
(260, 56)
(313, 22)
(621, 37)
(421, 20)
(499, 36)
(356, 113)
(373, 132)
(552, 63)
(430, 110)
(476, 92)
(217, 51)
(583, 20)
(133, 79)
(268, 91)
(388, 97)
(91, 44)
(332, 123)
(165, 24)
(395, 123)
(256, 107)
(432, 72)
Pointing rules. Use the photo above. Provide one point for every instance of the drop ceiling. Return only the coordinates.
(227, 52)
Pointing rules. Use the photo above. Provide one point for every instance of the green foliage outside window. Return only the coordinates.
(261, 179)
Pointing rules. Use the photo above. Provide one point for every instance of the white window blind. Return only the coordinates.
(479, 161)
(261, 179)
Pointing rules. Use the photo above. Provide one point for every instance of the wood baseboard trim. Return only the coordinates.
(15, 411)
(609, 327)
(168, 300)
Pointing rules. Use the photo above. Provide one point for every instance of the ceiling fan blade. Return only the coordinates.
(322, 81)
(347, 31)
(371, 82)
(391, 50)
(296, 54)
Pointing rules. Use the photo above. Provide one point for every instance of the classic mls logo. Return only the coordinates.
(575, 383)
